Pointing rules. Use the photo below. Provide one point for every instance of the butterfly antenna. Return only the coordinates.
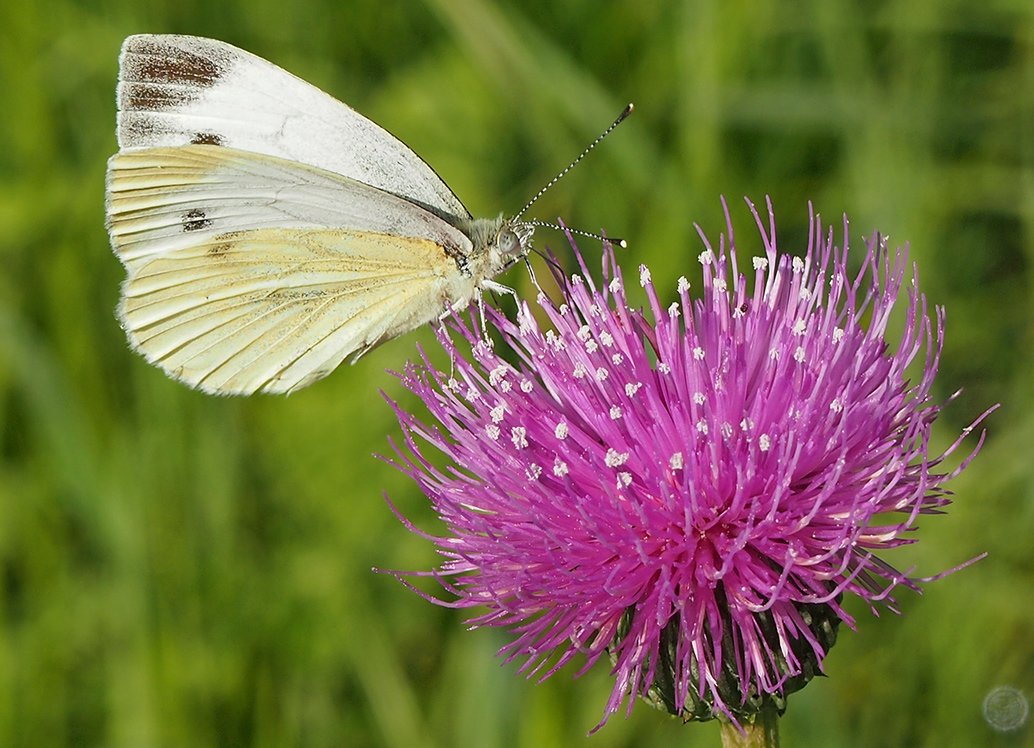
(598, 237)
(621, 118)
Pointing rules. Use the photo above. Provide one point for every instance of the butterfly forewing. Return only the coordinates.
(183, 90)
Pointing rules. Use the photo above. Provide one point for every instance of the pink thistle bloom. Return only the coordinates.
(691, 491)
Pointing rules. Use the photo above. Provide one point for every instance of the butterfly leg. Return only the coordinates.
(484, 324)
(531, 272)
(490, 285)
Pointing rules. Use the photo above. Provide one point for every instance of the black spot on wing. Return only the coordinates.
(207, 138)
(195, 220)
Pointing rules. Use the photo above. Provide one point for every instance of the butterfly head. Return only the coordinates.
(513, 242)
(498, 244)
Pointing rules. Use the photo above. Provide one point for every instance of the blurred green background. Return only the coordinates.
(182, 570)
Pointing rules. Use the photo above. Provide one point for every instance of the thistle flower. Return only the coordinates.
(691, 491)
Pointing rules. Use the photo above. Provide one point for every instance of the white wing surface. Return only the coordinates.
(182, 90)
(248, 272)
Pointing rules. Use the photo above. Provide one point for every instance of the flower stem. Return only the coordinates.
(761, 732)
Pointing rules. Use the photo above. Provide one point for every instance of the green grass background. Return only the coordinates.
(182, 570)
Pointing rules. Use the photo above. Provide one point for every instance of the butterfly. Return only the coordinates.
(269, 231)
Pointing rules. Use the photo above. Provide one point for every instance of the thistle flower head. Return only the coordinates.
(690, 490)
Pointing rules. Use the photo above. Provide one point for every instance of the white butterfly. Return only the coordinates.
(268, 230)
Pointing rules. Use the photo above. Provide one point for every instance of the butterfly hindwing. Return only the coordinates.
(274, 311)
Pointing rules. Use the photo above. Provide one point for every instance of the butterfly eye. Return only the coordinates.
(507, 242)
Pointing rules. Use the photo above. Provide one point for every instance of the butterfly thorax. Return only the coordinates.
(498, 244)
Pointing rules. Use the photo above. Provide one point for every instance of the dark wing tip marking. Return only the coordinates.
(158, 61)
(158, 74)
(148, 97)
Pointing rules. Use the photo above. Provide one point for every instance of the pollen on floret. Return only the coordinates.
(673, 310)
(615, 458)
(579, 370)
(720, 285)
(527, 386)
(519, 437)
(533, 472)
(764, 442)
(683, 284)
(644, 276)
(838, 334)
(606, 339)
(798, 264)
(701, 426)
(798, 355)
(560, 468)
(699, 398)
(584, 333)
(615, 412)
(591, 346)
(602, 374)
(497, 413)
(799, 327)
(561, 431)
(482, 348)
(617, 359)
(677, 461)
(555, 341)
(663, 368)
(497, 374)
(614, 285)
(706, 257)
(698, 353)
(760, 263)
(633, 387)
(624, 480)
